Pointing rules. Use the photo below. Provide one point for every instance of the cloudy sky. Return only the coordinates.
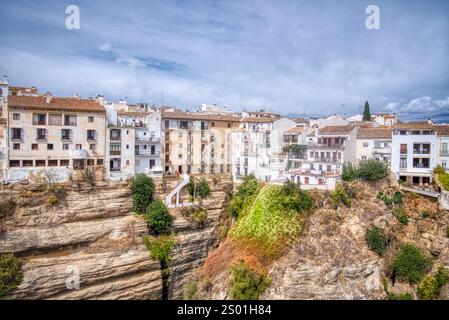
(312, 57)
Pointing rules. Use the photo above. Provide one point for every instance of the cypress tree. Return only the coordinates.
(366, 112)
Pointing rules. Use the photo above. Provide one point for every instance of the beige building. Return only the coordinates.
(47, 133)
(374, 143)
(197, 143)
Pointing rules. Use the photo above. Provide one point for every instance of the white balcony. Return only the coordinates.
(78, 154)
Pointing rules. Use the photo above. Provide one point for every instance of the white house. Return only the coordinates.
(443, 145)
(373, 143)
(414, 152)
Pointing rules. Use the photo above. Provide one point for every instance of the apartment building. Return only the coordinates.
(443, 146)
(327, 149)
(4, 88)
(295, 140)
(53, 134)
(133, 140)
(373, 143)
(414, 152)
(197, 143)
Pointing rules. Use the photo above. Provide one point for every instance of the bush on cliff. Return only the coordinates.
(142, 188)
(10, 273)
(158, 218)
(160, 248)
(410, 264)
(271, 222)
(371, 170)
(430, 287)
(246, 283)
(244, 196)
(376, 240)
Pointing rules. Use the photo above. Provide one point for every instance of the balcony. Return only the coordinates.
(146, 153)
(326, 146)
(78, 154)
(421, 151)
(146, 139)
(326, 160)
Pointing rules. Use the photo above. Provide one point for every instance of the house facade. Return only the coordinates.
(374, 143)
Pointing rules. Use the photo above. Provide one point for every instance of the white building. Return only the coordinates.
(373, 143)
(414, 152)
(443, 145)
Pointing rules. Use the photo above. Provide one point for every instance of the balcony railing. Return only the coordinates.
(330, 160)
(321, 145)
(421, 151)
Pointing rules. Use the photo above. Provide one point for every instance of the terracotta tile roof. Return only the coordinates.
(301, 120)
(258, 120)
(294, 130)
(197, 116)
(374, 133)
(336, 130)
(133, 113)
(443, 130)
(56, 104)
(32, 90)
(423, 125)
(311, 133)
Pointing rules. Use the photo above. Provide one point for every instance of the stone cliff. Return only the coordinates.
(94, 232)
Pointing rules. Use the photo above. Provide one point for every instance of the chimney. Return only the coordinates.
(48, 97)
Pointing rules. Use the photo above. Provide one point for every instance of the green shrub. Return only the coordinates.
(376, 240)
(372, 170)
(295, 198)
(244, 196)
(158, 218)
(447, 232)
(7, 207)
(196, 214)
(439, 169)
(399, 296)
(247, 284)
(350, 172)
(398, 198)
(399, 212)
(430, 287)
(444, 180)
(203, 189)
(142, 189)
(410, 264)
(160, 248)
(340, 196)
(10, 273)
(191, 291)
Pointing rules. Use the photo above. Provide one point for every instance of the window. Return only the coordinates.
(55, 120)
(167, 124)
(14, 163)
(41, 133)
(403, 149)
(16, 146)
(229, 124)
(403, 132)
(65, 134)
(115, 134)
(183, 124)
(78, 163)
(70, 120)
(64, 163)
(403, 163)
(90, 162)
(50, 146)
(16, 116)
(127, 146)
(444, 149)
(92, 147)
(363, 157)
(16, 133)
(27, 163)
(212, 124)
(78, 147)
(40, 163)
(91, 134)
(52, 163)
(99, 162)
(39, 119)
(179, 156)
(115, 149)
(34, 146)
(65, 146)
(90, 119)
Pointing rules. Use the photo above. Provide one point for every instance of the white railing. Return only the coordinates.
(176, 191)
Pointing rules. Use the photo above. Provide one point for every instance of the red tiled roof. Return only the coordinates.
(336, 130)
(32, 90)
(258, 119)
(423, 125)
(376, 133)
(443, 130)
(294, 130)
(197, 116)
(56, 103)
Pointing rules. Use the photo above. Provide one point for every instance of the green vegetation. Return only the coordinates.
(399, 296)
(160, 248)
(444, 180)
(430, 287)
(191, 291)
(370, 169)
(142, 189)
(271, 222)
(10, 273)
(158, 218)
(7, 206)
(295, 148)
(246, 283)
(195, 213)
(439, 169)
(244, 197)
(410, 264)
(376, 240)
(52, 200)
(447, 232)
(399, 212)
(366, 112)
(339, 195)
(396, 199)
(199, 189)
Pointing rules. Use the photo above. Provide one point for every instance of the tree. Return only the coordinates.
(366, 112)
(142, 188)
(159, 219)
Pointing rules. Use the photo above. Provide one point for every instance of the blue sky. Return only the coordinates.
(313, 57)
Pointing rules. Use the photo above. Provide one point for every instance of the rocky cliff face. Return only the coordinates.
(94, 233)
(331, 259)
